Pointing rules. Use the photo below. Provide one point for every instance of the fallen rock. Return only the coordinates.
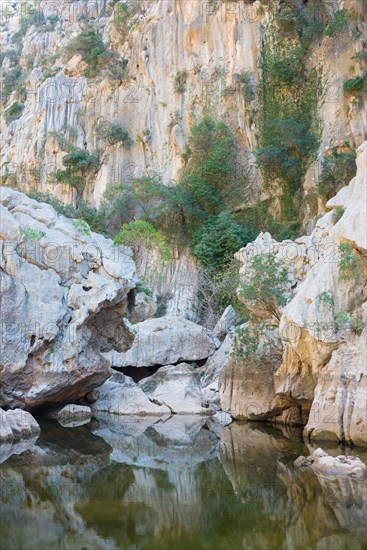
(17, 424)
(176, 387)
(64, 299)
(72, 416)
(121, 395)
(165, 341)
(342, 465)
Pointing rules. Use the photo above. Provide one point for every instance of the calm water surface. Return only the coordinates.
(148, 484)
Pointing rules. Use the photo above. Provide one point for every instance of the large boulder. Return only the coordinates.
(165, 341)
(341, 465)
(176, 387)
(64, 297)
(17, 424)
(121, 395)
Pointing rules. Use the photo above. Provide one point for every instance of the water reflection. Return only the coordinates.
(170, 483)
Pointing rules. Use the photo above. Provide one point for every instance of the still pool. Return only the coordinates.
(148, 484)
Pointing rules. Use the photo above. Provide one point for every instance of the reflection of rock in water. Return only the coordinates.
(41, 487)
(298, 507)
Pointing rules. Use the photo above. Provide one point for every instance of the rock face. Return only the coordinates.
(321, 379)
(17, 424)
(173, 389)
(120, 395)
(64, 296)
(342, 465)
(176, 387)
(165, 341)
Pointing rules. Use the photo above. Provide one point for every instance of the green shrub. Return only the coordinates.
(32, 234)
(113, 133)
(79, 165)
(265, 284)
(90, 46)
(13, 112)
(179, 83)
(349, 263)
(357, 83)
(338, 24)
(218, 238)
(337, 169)
(36, 18)
(81, 226)
(338, 213)
(139, 234)
(12, 81)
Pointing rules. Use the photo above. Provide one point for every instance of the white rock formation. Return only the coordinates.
(176, 387)
(120, 395)
(64, 298)
(165, 341)
(322, 376)
(341, 465)
(17, 424)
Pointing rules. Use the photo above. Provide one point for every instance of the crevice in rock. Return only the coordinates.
(138, 373)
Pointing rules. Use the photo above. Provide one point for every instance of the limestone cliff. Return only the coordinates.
(321, 378)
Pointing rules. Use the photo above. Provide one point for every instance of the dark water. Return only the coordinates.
(134, 484)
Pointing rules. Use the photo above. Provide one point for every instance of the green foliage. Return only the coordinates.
(349, 263)
(337, 169)
(90, 46)
(265, 284)
(32, 234)
(113, 133)
(217, 239)
(338, 24)
(79, 164)
(81, 226)
(289, 125)
(35, 18)
(326, 297)
(146, 290)
(12, 81)
(139, 234)
(357, 83)
(338, 213)
(13, 112)
(179, 83)
(257, 346)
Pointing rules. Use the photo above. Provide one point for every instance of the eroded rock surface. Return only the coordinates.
(64, 300)
(342, 465)
(17, 424)
(320, 379)
(165, 341)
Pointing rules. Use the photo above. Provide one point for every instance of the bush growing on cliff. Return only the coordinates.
(218, 238)
(90, 46)
(357, 83)
(13, 112)
(337, 169)
(139, 234)
(349, 263)
(265, 285)
(113, 133)
(79, 164)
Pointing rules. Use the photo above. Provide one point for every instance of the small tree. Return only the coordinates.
(265, 285)
(140, 234)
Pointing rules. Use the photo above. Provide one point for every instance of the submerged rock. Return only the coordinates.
(165, 341)
(64, 298)
(341, 465)
(72, 416)
(17, 424)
